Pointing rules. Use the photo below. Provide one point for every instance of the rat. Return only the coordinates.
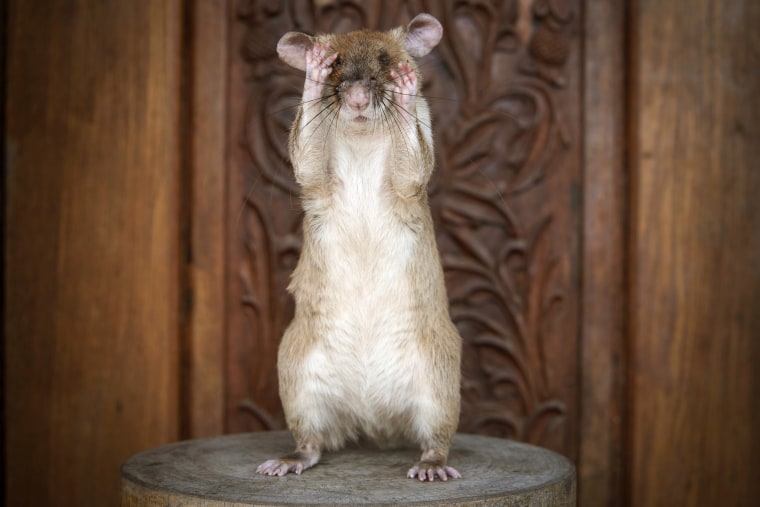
(372, 353)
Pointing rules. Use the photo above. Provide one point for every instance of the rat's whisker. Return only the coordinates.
(327, 108)
(321, 111)
(300, 103)
(402, 108)
(394, 117)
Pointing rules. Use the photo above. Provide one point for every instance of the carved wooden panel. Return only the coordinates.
(504, 92)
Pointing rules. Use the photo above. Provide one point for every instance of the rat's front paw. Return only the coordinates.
(318, 68)
(430, 470)
(404, 87)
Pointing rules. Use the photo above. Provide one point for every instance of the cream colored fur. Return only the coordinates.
(371, 352)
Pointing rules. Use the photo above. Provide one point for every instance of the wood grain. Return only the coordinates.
(221, 471)
(696, 253)
(600, 463)
(203, 392)
(91, 247)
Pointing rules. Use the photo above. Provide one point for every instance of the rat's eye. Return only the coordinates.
(383, 59)
(337, 63)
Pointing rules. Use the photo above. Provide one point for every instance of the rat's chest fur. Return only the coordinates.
(366, 246)
(356, 290)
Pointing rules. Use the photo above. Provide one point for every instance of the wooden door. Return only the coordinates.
(694, 304)
(595, 200)
(91, 246)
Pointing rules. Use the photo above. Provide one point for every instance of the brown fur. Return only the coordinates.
(412, 396)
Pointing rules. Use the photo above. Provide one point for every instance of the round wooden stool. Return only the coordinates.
(221, 471)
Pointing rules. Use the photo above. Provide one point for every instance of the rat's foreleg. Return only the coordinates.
(412, 137)
(307, 138)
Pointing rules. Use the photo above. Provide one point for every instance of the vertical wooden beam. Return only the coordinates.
(695, 324)
(92, 244)
(600, 464)
(3, 228)
(208, 108)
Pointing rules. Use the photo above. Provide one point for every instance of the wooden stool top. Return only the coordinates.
(221, 471)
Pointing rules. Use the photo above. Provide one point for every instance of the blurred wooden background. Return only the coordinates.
(597, 199)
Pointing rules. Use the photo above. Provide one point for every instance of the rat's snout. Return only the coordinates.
(356, 95)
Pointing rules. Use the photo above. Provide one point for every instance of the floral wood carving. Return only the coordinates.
(502, 200)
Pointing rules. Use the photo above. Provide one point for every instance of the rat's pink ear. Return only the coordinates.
(422, 34)
(292, 49)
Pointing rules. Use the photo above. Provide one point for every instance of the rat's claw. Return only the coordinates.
(452, 472)
(269, 468)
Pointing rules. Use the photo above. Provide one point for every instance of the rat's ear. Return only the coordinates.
(422, 34)
(292, 49)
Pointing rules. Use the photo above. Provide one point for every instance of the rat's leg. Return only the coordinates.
(412, 135)
(308, 409)
(435, 412)
(300, 412)
(436, 430)
(307, 137)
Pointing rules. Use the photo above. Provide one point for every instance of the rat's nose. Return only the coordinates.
(357, 97)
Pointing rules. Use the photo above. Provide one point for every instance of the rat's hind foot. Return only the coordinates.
(432, 466)
(296, 462)
(280, 467)
(430, 470)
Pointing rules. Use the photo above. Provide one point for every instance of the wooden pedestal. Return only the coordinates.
(221, 471)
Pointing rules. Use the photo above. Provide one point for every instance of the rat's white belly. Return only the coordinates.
(368, 354)
(366, 247)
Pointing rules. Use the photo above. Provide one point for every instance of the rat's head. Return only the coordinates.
(360, 82)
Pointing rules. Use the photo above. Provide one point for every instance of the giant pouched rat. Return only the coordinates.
(372, 352)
